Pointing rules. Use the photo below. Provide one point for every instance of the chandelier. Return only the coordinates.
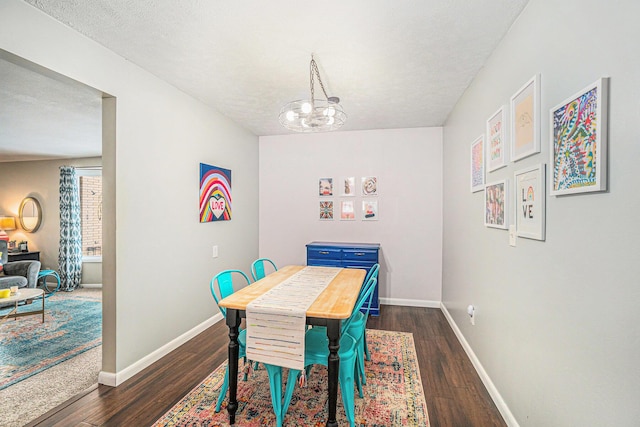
(313, 115)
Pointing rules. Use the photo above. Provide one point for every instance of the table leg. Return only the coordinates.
(233, 322)
(333, 333)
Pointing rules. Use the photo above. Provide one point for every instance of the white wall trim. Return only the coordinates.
(486, 380)
(410, 302)
(115, 379)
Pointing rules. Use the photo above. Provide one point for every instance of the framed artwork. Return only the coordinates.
(495, 204)
(215, 193)
(477, 164)
(579, 141)
(349, 186)
(326, 210)
(369, 186)
(326, 186)
(347, 210)
(525, 120)
(497, 156)
(369, 210)
(530, 202)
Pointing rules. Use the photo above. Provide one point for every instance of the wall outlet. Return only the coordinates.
(215, 251)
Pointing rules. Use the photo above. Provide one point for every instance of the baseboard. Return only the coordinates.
(486, 380)
(410, 302)
(115, 379)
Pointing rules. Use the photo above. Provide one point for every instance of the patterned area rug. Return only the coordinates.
(27, 346)
(393, 395)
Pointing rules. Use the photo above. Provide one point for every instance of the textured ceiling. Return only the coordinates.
(393, 63)
(46, 116)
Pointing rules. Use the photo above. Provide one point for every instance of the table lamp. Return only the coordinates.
(6, 223)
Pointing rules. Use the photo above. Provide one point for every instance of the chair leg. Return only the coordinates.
(244, 378)
(223, 390)
(275, 386)
(359, 386)
(366, 347)
(347, 372)
(292, 379)
(360, 364)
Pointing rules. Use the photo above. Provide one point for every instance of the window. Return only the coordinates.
(90, 184)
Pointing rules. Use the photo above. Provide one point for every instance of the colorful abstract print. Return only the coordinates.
(574, 142)
(215, 193)
(326, 210)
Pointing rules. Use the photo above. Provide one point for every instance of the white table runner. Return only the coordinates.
(276, 321)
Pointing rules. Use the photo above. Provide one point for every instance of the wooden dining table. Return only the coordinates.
(332, 306)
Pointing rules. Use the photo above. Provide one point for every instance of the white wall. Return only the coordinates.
(159, 286)
(408, 165)
(557, 321)
(41, 179)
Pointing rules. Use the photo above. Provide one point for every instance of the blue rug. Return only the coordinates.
(27, 346)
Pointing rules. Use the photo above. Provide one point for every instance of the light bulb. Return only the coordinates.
(291, 115)
(306, 108)
(331, 120)
(304, 123)
(330, 111)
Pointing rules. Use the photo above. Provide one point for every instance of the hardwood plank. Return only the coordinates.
(454, 392)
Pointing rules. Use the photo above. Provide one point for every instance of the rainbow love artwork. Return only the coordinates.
(215, 193)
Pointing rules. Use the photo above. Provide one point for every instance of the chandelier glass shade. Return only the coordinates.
(313, 114)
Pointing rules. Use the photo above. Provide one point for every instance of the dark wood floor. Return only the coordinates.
(455, 395)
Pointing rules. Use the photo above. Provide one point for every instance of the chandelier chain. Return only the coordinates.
(314, 69)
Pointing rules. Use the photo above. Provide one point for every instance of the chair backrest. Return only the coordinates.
(257, 268)
(224, 282)
(373, 272)
(365, 296)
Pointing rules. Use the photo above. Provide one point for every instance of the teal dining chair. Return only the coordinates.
(258, 270)
(225, 286)
(373, 272)
(223, 281)
(358, 326)
(317, 353)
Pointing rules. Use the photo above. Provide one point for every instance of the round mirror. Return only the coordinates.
(30, 214)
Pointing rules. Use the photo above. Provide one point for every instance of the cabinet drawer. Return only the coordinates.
(360, 255)
(323, 262)
(324, 253)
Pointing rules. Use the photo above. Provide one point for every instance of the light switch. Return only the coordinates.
(215, 251)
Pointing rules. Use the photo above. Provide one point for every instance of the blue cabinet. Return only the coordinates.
(347, 255)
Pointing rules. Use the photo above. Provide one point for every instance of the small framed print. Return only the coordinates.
(477, 164)
(579, 141)
(525, 120)
(349, 186)
(495, 204)
(497, 156)
(369, 186)
(326, 186)
(530, 202)
(326, 210)
(347, 210)
(369, 210)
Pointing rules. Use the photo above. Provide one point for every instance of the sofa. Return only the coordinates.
(23, 274)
